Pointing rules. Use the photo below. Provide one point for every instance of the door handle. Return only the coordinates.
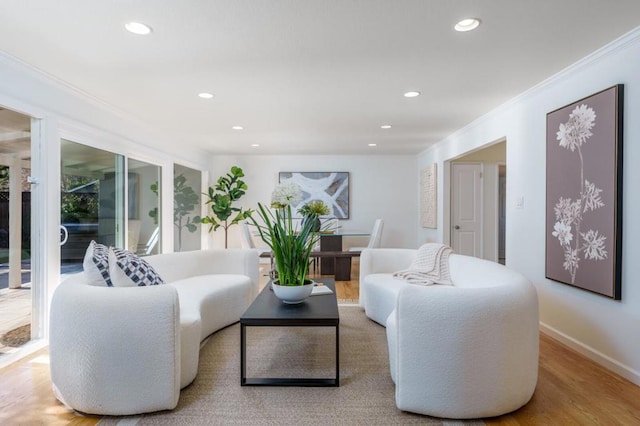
(456, 227)
(64, 234)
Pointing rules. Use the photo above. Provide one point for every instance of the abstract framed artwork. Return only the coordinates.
(584, 193)
(330, 187)
(428, 196)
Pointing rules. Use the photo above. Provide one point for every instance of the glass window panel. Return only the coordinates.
(144, 189)
(187, 189)
(91, 201)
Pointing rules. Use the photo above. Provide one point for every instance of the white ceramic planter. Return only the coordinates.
(292, 294)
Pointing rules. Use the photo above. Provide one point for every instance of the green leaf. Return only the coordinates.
(221, 197)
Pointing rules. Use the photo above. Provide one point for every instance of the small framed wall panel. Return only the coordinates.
(428, 196)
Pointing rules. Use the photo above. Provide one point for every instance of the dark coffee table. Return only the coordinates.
(268, 310)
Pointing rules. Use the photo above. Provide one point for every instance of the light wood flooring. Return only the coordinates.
(572, 390)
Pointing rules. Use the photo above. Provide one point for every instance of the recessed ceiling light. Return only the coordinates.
(467, 24)
(137, 28)
(411, 94)
(373, 144)
(255, 145)
(385, 126)
(237, 128)
(205, 95)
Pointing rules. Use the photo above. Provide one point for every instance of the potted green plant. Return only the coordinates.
(229, 189)
(312, 211)
(290, 242)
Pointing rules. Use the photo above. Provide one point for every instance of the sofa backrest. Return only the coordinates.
(177, 266)
(472, 272)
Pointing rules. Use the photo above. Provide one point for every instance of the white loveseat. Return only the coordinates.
(464, 351)
(129, 350)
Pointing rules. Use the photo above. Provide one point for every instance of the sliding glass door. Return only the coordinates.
(91, 202)
(16, 242)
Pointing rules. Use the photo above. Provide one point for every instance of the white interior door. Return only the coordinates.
(466, 209)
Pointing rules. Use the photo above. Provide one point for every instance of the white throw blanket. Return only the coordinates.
(431, 266)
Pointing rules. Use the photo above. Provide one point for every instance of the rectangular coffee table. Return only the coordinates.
(268, 310)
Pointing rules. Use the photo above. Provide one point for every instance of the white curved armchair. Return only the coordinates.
(464, 351)
(479, 359)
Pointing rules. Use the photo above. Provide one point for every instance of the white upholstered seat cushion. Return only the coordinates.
(207, 304)
(382, 293)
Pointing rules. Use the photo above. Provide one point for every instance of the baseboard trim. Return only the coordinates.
(606, 361)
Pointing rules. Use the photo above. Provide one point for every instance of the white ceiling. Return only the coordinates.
(312, 76)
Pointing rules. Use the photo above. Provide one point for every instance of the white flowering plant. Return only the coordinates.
(290, 241)
(575, 243)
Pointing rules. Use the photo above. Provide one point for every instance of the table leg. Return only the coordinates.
(329, 243)
(338, 355)
(243, 355)
(343, 268)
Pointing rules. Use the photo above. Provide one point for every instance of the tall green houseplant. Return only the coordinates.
(229, 189)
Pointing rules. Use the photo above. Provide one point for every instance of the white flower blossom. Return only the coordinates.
(563, 233)
(593, 245)
(571, 260)
(577, 129)
(567, 211)
(592, 196)
(286, 194)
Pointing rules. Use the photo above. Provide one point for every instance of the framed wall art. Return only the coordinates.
(428, 196)
(330, 187)
(584, 193)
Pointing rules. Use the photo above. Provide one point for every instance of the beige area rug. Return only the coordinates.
(365, 396)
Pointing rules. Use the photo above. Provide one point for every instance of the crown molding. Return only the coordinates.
(617, 45)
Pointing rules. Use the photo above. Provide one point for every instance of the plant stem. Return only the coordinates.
(574, 269)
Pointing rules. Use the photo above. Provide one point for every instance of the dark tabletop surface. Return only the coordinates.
(268, 306)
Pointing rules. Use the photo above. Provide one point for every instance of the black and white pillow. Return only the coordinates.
(128, 270)
(96, 264)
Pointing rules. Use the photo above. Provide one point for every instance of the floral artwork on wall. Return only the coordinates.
(332, 188)
(584, 193)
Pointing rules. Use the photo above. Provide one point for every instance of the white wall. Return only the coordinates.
(606, 330)
(379, 187)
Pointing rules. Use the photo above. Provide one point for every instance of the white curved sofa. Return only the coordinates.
(129, 350)
(464, 351)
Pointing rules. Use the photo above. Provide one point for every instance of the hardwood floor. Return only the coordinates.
(572, 390)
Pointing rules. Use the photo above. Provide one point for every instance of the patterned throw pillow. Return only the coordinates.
(96, 264)
(128, 270)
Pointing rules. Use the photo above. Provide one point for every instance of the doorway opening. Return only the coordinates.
(502, 212)
(475, 210)
(15, 232)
